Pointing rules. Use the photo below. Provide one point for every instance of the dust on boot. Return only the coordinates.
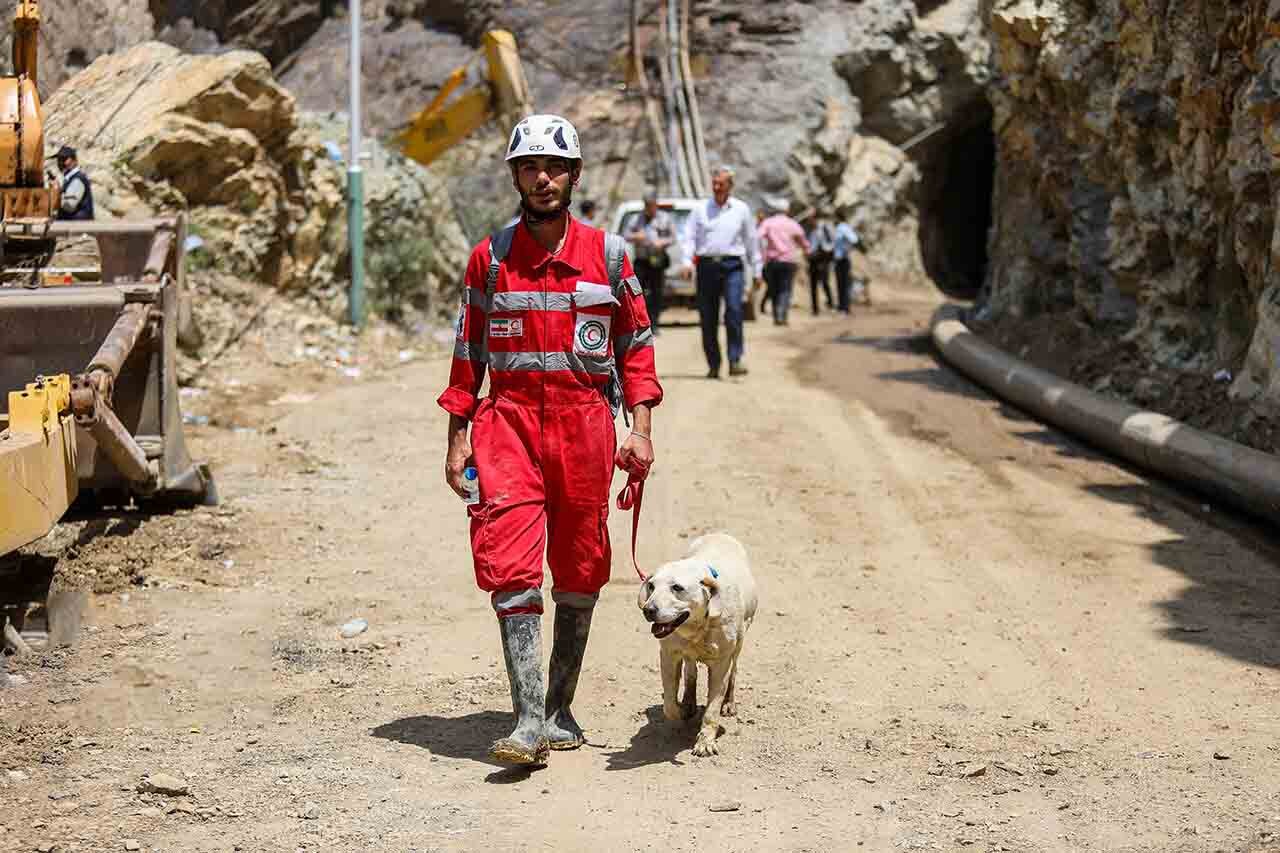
(572, 625)
(522, 649)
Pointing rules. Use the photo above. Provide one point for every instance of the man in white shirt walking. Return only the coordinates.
(721, 238)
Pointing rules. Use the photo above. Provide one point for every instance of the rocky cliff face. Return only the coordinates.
(73, 33)
(271, 27)
(822, 100)
(815, 100)
(1136, 176)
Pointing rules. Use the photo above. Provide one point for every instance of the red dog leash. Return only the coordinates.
(632, 498)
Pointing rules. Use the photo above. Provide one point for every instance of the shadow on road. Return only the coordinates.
(1064, 445)
(1232, 604)
(657, 742)
(920, 344)
(937, 379)
(468, 736)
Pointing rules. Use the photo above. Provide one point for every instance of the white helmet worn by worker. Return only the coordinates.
(545, 135)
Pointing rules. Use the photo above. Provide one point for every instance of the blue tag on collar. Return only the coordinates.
(713, 571)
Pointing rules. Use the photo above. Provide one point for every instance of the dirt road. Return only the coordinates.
(974, 634)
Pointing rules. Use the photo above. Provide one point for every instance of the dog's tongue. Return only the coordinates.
(663, 629)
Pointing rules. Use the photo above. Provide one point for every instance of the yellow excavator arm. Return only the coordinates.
(24, 194)
(26, 31)
(444, 124)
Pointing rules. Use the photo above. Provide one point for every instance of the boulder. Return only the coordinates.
(208, 134)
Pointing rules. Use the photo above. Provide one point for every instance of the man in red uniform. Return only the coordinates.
(556, 329)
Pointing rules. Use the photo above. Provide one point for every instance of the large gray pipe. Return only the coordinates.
(1246, 478)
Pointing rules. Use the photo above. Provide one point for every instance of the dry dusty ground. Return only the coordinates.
(975, 634)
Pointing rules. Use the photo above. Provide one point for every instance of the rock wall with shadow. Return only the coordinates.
(1136, 177)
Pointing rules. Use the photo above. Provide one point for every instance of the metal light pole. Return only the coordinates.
(355, 177)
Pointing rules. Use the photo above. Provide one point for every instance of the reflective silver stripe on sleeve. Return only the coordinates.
(633, 284)
(532, 300)
(638, 339)
(475, 297)
(464, 351)
(548, 361)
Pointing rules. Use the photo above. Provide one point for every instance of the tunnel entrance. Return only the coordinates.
(77, 59)
(955, 209)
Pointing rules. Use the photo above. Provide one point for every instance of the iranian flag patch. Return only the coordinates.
(506, 328)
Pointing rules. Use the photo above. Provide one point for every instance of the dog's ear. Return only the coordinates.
(712, 586)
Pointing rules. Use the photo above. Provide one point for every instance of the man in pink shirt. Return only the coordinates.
(782, 244)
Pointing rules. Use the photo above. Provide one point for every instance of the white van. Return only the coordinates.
(627, 216)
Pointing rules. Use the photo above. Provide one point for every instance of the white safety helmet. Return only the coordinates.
(545, 135)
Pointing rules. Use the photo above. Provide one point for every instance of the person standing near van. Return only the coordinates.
(652, 235)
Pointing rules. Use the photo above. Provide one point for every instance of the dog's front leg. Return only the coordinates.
(689, 701)
(718, 683)
(670, 663)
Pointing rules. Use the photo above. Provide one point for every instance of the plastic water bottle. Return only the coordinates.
(471, 485)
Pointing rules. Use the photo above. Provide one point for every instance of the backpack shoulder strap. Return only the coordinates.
(499, 246)
(615, 250)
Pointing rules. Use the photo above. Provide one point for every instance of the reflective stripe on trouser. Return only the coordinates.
(544, 489)
(514, 601)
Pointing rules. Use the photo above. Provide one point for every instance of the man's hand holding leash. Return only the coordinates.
(635, 456)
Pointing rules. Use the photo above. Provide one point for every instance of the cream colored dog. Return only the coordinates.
(701, 607)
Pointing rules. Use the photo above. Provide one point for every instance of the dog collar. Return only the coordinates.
(712, 569)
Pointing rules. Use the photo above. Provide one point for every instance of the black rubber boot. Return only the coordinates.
(573, 624)
(522, 648)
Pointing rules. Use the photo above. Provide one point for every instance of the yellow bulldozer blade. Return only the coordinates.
(37, 462)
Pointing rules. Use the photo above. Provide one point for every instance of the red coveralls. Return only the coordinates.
(544, 439)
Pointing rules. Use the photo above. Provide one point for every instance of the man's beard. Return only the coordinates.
(537, 217)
